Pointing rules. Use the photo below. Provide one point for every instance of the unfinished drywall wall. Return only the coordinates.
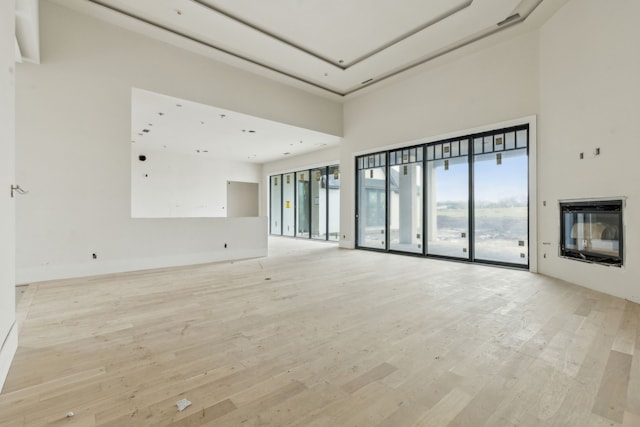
(242, 199)
(589, 92)
(577, 74)
(487, 88)
(73, 130)
(175, 185)
(8, 330)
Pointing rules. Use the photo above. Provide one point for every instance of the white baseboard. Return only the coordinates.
(98, 267)
(7, 352)
(347, 244)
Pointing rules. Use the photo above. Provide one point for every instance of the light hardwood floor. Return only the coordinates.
(318, 336)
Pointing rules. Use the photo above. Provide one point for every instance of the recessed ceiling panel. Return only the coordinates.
(338, 46)
(340, 31)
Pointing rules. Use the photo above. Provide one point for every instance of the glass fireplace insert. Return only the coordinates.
(592, 231)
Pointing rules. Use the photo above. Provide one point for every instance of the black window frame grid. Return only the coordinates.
(295, 174)
(361, 163)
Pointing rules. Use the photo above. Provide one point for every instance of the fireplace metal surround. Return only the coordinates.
(592, 231)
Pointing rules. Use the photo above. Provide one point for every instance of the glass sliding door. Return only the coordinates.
(501, 197)
(405, 200)
(470, 194)
(319, 203)
(334, 202)
(371, 208)
(275, 209)
(448, 199)
(288, 203)
(300, 203)
(303, 199)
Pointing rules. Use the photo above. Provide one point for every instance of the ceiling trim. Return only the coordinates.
(211, 46)
(27, 31)
(519, 15)
(18, 52)
(508, 22)
(343, 66)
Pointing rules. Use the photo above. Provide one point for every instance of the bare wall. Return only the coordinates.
(489, 87)
(178, 185)
(589, 91)
(73, 133)
(8, 330)
(577, 76)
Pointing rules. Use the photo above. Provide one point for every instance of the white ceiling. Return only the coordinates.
(164, 123)
(332, 47)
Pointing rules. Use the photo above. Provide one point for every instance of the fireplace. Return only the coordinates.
(592, 231)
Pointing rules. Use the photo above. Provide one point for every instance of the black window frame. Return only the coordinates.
(363, 162)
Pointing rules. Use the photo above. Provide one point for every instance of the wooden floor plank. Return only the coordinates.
(611, 399)
(314, 335)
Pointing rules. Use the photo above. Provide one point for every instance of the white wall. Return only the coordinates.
(8, 331)
(492, 86)
(73, 130)
(577, 81)
(171, 185)
(590, 97)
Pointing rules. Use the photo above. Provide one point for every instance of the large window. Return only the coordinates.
(405, 200)
(448, 199)
(371, 217)
(288, 201)
(319, 203)
(470, 194)
(333, 191)
(275, 213)
(306, 203)
(302, 204)
(501, 198)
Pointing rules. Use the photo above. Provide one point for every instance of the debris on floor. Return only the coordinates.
(183, 404)
(70, 414)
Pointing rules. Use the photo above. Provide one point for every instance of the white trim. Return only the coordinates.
(533, 195)
(68, 271)
(347, 244)
(18, 52)
(7, 352)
